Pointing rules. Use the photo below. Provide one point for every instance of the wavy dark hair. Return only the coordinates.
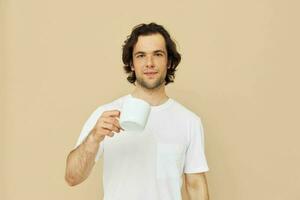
(174, 57)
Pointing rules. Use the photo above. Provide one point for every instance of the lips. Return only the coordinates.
(150, 73)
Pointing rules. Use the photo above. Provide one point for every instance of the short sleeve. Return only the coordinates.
(86, 129)
(195, 160)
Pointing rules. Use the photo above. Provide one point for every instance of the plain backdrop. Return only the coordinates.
(61, 59)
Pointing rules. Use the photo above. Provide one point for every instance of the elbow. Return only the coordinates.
(71, 181)
(70, 177)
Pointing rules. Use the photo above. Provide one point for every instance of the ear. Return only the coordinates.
(131, 66)
(169, 64)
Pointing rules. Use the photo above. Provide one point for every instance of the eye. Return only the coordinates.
(140, 55)
(158, 54)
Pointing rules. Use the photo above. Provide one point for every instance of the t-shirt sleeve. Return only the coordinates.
(195, 160)
(87, 127)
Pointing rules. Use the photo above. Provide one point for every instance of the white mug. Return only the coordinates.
(134, 114)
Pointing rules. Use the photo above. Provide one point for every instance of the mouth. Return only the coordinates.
(150, 74)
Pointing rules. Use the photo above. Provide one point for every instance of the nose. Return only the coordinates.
(150, 63)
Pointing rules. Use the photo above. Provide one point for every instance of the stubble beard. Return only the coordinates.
(151, 86)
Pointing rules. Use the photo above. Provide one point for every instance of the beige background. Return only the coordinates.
(61, 59)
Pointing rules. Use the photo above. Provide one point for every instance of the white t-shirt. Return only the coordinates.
(149, 165)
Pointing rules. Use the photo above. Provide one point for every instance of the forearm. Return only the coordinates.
(198, 190)
(81, 161)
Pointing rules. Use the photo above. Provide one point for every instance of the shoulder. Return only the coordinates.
(185, 112)
(115, 104)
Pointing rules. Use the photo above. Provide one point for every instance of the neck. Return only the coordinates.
(154, 97)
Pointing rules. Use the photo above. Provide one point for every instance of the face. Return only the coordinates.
(150, 61)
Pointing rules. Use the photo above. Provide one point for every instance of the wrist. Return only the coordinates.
(93, 138)
(91, 144)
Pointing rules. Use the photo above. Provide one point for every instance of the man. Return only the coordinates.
(148, 165)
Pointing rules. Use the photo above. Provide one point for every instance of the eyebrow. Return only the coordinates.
(156, 51)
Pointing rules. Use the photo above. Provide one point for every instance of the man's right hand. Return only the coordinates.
(107, 125)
